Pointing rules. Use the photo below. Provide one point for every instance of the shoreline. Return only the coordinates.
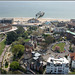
(40, 19)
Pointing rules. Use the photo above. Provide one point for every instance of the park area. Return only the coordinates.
(27, 40)
(2, 46)
(60, 45)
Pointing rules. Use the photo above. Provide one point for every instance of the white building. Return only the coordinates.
(71, 58)
(44, 29)
(57, 66)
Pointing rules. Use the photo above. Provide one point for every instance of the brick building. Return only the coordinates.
(5, 27)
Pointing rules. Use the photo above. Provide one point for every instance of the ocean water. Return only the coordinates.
(52, 9)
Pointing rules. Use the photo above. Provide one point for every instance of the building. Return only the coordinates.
(5, 20)
(39, 38)
(59, 29)
(71, 58)
(61, 24)
(5, 27)
(71, 24)
(57, 66)
(36, 62)
(36, 39)
(33, 20)
(27, 53)
(71, 34)
(55, 22)
(28, 50)
(44, 29)
(46, 23)
(28, 45)
(57, 36)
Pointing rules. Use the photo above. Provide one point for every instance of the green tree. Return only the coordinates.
(6, 64)
(3, 71)
(70, 48)
(32, 28)
(20, 31)
(49, 39)
(21, 40)
(15, 43)
(18, 50)
(35, 33)
(14, 65)
(11, 37)
(25, 35)
(29, 32)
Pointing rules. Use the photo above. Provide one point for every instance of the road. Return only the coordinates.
(13, 29)
(55, 54)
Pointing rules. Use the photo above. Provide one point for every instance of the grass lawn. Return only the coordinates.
(26, 40)
(0, 35)
(72, 73)
(61, 45)
(2, 46)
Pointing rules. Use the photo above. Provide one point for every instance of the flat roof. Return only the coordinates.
(57, 61)
(37, 54)
(35, 58)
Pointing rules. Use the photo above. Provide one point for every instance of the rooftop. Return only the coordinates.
(37, 54)
(28, 43)
(57, 61)
(72, 24)
(72, 55)
(6, 18)
(73, 33)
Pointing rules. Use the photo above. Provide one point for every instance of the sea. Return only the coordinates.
(52, 9)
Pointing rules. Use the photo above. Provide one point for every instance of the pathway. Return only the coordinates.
(8, 56)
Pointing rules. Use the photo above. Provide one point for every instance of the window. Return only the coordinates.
(48, 64)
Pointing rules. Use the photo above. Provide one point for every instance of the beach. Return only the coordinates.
(21, 19)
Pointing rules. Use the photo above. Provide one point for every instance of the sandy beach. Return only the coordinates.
(40, 19)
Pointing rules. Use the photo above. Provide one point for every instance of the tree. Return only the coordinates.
(6, 64)
(32, 28)
(18, 50)
(57, 48)
(29, 32)
(3, 71)
(35, 33)
(21, 40)
(25, 35)
(15, 43)
(70, 47)
(14, 65)
(49, 39)
(11, 37)
(20, 31)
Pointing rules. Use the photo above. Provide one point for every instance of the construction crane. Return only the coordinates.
(39, 14)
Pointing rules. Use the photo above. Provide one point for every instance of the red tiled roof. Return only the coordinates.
(72, 56)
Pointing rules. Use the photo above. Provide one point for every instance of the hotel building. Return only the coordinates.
(57, 66)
